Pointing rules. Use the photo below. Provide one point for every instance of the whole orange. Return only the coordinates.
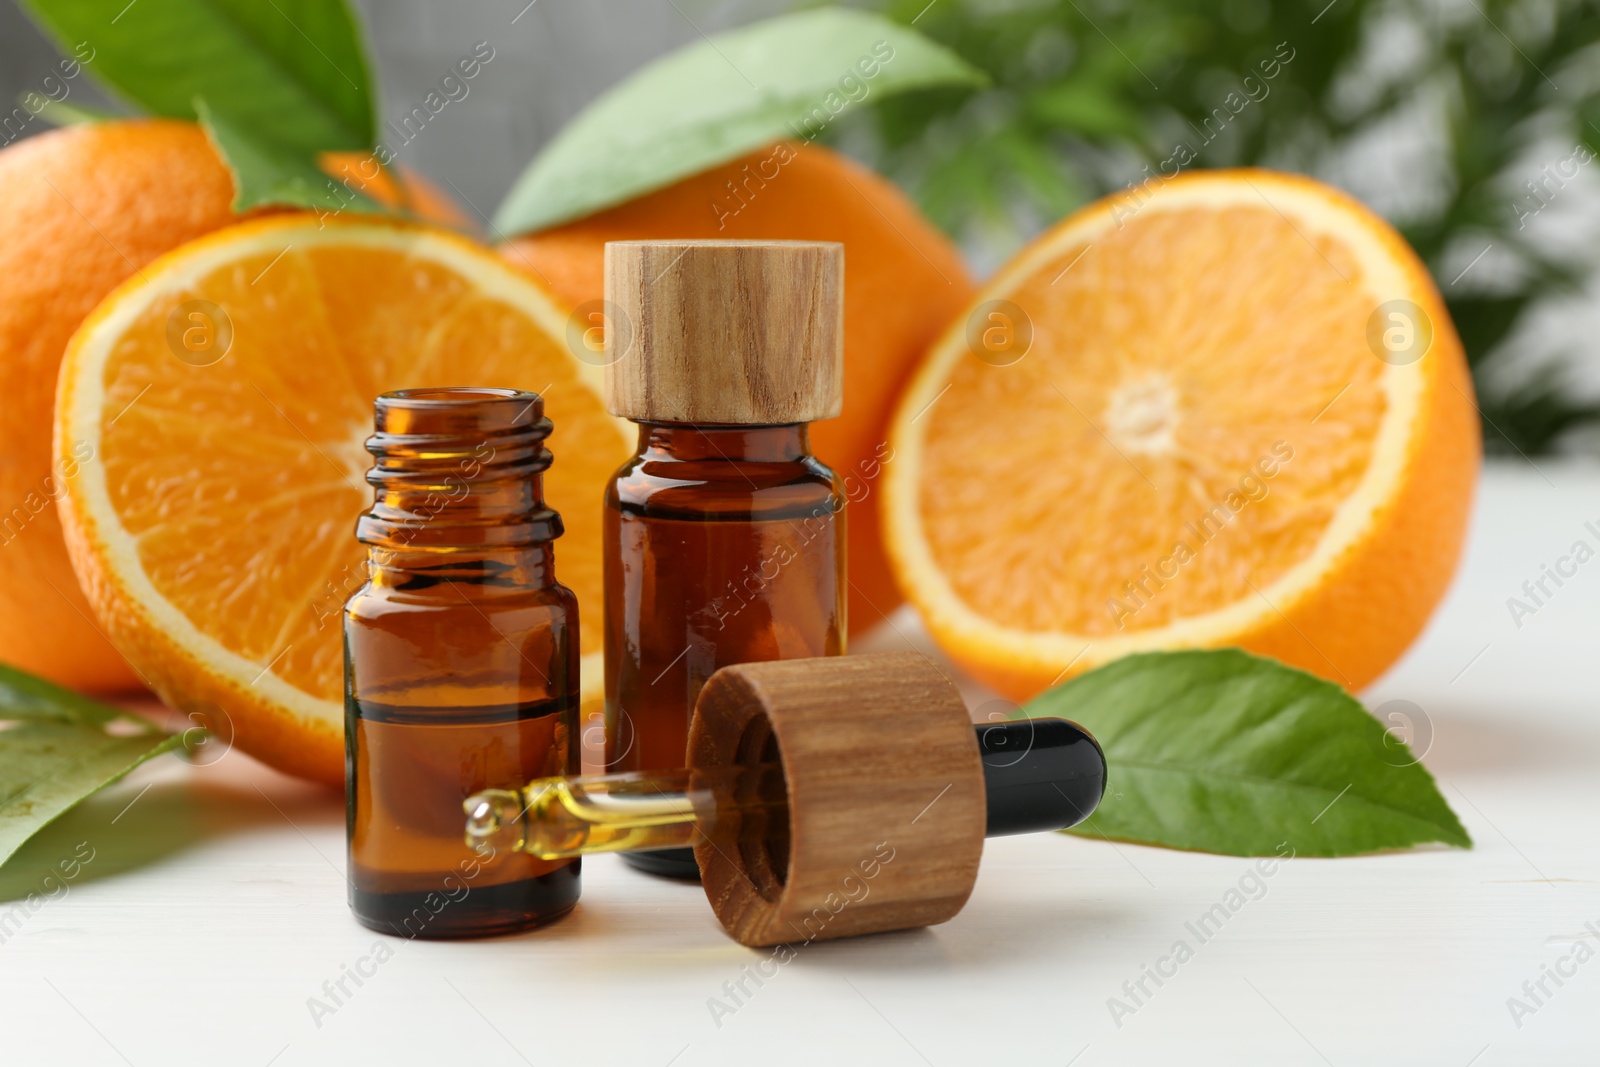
(903, 282)
(81, 210)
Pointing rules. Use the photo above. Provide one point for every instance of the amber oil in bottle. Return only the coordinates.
(461, 664)
(724, 535)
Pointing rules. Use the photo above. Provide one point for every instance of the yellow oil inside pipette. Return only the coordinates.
(556, 818)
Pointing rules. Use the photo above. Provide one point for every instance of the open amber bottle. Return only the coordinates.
(461, 664)
(724, 535)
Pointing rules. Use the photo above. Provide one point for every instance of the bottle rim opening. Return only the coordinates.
(464, 412)
(438, 395)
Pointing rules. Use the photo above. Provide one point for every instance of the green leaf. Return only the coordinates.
(269, 173)
(282, 81)
(714, 100)
(57, 747)
(60, 113)
(294, 70)
(1222, 751)
(1087, 108)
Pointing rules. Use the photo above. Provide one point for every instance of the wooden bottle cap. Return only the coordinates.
(725, 332)
(885, 792)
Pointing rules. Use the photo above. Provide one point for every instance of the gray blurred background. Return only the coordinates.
(555, 57)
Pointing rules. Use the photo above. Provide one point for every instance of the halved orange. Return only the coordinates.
(215, 407)
(1227, 409)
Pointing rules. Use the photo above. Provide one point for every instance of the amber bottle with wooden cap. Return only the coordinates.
(724, 535)
(461, 664)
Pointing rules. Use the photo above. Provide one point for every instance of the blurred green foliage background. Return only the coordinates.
(1436, 112)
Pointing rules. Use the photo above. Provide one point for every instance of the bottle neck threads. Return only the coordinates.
(457, 471)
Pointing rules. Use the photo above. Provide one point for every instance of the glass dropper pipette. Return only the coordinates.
(1039, 774)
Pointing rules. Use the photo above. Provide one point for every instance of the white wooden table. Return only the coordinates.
(213, 911)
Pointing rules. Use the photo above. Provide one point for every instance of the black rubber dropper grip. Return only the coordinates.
(1039, 774)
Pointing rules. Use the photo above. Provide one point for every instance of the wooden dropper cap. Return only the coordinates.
(724, 332)
(886, 796)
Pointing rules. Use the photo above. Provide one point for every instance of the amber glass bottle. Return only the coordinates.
(724, 535)
(461, 664)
